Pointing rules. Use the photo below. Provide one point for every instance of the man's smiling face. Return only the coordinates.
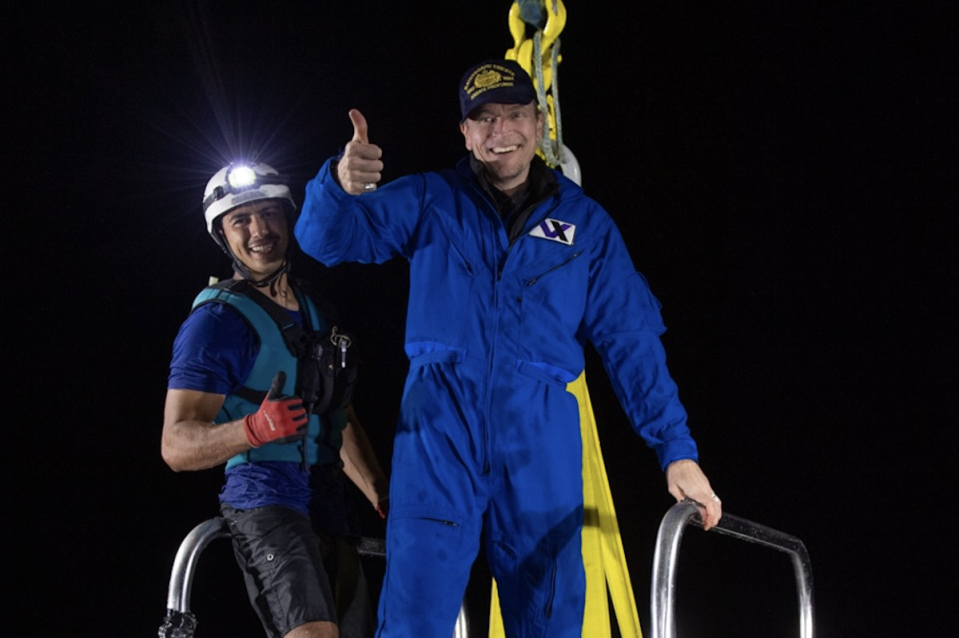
(258, 235)
(504, 137)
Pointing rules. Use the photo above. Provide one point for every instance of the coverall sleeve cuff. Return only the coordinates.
(678, 450)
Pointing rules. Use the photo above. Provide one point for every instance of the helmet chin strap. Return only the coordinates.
(240, 268)
(270, 280)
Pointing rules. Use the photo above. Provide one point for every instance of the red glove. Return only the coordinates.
(280, 419)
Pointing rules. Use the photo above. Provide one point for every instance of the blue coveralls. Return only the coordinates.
(488, 438)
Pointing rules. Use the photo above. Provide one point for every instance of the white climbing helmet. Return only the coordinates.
(239, 184)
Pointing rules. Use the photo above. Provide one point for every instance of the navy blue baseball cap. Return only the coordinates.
(497, 81)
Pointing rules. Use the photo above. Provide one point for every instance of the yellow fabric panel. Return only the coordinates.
(496, 629)
(603, 555)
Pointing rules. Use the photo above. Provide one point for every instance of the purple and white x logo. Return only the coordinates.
(555, 230)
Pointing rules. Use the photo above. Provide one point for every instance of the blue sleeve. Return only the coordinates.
(335, 226)
(214, 351)
(624, 323)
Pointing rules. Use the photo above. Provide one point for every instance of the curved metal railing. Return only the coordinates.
(181, 623)
(663, 592)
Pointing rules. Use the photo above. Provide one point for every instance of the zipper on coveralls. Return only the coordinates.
(500, 267)
(496, 306)
(490, 371)
(548, 610)
(553, 269)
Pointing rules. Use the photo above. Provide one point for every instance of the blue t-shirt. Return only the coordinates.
(214, 352)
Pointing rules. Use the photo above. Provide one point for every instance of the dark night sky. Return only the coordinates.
(786, 178)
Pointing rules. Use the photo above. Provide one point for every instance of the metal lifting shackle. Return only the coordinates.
(522, 50)
(539, 57)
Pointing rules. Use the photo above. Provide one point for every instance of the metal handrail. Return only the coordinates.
(663, 592)
(184, 565)
(180, 623)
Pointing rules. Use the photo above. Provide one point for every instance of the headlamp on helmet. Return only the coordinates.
(240, 177)
(239, 184)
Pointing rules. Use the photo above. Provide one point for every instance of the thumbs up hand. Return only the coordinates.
(359, 170)
(280, 419)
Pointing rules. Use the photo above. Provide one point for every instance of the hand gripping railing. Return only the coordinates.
(663, 592)
(181, 623)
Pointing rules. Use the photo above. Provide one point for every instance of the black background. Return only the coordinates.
(784, 174)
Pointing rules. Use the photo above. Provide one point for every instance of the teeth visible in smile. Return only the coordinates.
(262, 248)
(505, 149)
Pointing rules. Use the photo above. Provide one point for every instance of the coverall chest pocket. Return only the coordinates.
(552, 299)
(442, 299)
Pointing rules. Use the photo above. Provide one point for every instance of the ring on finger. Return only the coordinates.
(369, 186)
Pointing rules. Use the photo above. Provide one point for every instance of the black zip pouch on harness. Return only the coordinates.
(326, 363)
(327, 375)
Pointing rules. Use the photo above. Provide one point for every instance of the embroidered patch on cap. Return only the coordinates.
(499, 81)
(489, 76)
(555, 230)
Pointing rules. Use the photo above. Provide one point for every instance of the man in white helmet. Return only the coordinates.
(251, 386)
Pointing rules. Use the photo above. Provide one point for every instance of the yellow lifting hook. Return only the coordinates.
(522, 50)
(538, 58)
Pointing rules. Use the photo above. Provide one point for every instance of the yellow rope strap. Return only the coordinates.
(603, 554)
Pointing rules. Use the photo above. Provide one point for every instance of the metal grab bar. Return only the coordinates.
(663, 592)
(184, 565)
(181, 623)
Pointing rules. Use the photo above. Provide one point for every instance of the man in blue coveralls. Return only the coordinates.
(512, 270)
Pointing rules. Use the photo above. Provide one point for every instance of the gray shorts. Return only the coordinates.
(278, 553)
